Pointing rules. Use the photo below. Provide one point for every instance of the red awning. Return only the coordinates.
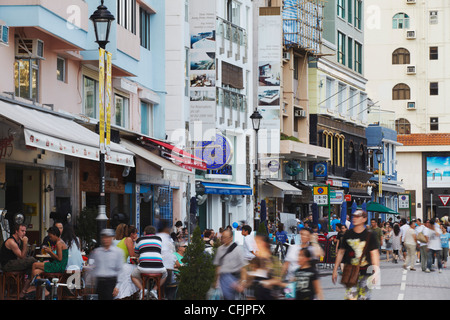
(182, 158)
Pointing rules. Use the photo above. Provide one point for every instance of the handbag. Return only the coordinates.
(421, 237)
(350, 274)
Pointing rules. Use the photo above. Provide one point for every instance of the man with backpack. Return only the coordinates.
(230, 267)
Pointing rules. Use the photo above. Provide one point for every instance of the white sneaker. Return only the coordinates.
(440, 270)
(145, 294)
(427, 271)
(154, 294)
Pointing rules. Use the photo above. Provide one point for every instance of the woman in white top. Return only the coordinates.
(410, 244)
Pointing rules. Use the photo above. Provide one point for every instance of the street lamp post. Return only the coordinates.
(256, 122)
(379, 155)
(102, 19)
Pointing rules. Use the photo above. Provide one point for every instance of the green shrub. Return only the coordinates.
(197, 273)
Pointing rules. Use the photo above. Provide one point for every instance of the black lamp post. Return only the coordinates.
(102, 19)
(379, 156)
(256, 122)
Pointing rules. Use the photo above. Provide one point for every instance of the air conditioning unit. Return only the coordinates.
(411, 105)
(299, 113)
(286, 56)
(410, 69)
(410, 1)
(4, 34)
(29, 48)
(410, 34)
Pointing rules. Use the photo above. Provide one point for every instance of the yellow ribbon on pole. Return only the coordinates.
(109, 101)
(101, 84)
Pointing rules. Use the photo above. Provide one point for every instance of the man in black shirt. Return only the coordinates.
(351, 248)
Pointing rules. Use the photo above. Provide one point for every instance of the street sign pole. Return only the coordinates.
(329, 208)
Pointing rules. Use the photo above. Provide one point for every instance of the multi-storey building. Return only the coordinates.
(49, 88)
(338, 100)
(208, 80)
(289, 33)
(405, 44)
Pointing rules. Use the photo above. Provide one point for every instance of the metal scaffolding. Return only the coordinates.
(303, 24)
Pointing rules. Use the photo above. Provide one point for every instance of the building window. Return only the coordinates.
(351, 156)
(233, 12)
(433, 17)
(434, 124)
(350, 11)
(434, 88)
(401, 56)
(434, 53)
(341, 48)
(90, 97)
(295, 67)
(126, 14)
(350, 53)
(61, 69)
(26, 78)
(402, 126)
(341, 8)
(358, 57)
(358, 14)
(146, 118)
(362, 158)
(122, 110)
(401, 92)
(400, 21)
(144, 28)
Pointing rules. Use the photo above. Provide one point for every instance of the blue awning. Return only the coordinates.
(226, 188)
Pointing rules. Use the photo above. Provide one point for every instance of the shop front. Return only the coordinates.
(45, 158)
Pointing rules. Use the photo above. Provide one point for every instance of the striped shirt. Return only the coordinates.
(148, 248)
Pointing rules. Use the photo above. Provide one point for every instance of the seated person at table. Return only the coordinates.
(148, 247)
(59, 262)
(13, 254)
(47, 242)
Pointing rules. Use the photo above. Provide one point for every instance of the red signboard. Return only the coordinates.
(348, 197)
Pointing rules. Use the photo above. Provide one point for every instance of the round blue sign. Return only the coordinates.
(215, 153)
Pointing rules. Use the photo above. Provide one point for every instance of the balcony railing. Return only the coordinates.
(232, 107)
(234, 35)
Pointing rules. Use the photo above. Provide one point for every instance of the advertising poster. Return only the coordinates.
(202, 69)
(438, 172)
(269, 89)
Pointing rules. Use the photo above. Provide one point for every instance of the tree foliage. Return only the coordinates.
(197, 273)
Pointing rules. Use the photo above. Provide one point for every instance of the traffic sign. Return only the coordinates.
(403, 201)
(320, 190)
(444, 199)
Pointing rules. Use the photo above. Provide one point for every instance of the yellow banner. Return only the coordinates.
(109, 101)
(101, 84)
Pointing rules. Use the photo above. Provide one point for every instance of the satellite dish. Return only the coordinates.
(201, 199)
(225, 198)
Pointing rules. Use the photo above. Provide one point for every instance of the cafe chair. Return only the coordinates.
(50, 276)
(11, 279)
(155, 277)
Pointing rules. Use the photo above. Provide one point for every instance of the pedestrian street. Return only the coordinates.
(396, 283)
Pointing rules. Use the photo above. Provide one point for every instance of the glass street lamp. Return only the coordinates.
(256, 122)
(102, 19)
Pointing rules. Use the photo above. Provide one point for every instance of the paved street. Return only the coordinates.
(397, 284)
